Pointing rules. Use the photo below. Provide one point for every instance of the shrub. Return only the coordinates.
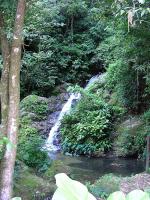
(143, 132)
(122, 80)
(125, 143)
(29, 146)
(35, 104)
(104, 186)
(87, 128)
(131, 141)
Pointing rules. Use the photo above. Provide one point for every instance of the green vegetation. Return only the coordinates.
(36, 105)
(88, 123)
(69, 189)
(30, 186)
(135, 194)
(87, 129)
(104, 186)
(56, 167)
(30, 141)
(60, 44)
(65, 44)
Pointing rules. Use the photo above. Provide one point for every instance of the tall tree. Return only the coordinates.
(11, 82)
(4, 77)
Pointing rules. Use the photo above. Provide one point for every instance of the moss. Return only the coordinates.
(35, 105)
(29, 186)
(56, 167)
(29, 145)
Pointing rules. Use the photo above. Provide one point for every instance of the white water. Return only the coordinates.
(54, 131)
(49, 145)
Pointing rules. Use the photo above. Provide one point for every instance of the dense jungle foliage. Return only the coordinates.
(67, 42)
(71, 41)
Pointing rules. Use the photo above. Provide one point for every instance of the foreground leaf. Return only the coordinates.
(117, 196)
(69, 189)
(137, 195)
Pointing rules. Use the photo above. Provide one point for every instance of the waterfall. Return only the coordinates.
(51, 144)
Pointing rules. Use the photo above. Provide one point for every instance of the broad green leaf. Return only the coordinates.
(117, 196)
(59, 195)
(16, 198)
(69, 189)
(137, 195)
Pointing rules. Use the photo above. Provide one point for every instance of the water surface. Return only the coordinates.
(90, 169)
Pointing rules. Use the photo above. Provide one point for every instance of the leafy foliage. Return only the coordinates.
(29, 147)
(87, 128)
(104, 186)
(30, 141)
(131, 141)
(69, 189)
(73, 190)
(60, 44)
(36, 105)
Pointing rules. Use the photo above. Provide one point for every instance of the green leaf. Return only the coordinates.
(69, 189)
(117, 196)
(137, 195)
(16, 198)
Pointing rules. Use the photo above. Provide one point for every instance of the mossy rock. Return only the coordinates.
(36, 105)
(57, 167)
(29, 186)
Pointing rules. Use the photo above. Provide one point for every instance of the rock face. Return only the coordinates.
(55, 104)
(32, 106)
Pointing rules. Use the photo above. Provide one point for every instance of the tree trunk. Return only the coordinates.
(14, 100)
(4, 89)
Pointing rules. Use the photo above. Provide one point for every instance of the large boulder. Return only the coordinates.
(42, 111)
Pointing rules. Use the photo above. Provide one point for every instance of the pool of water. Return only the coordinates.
(90, 169)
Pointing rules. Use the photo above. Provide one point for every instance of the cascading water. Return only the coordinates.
(52, 144)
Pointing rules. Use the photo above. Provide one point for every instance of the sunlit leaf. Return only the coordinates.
(117, 196)
(69, 189)
(137, 195)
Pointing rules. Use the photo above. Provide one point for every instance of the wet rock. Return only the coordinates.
(55, 105)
